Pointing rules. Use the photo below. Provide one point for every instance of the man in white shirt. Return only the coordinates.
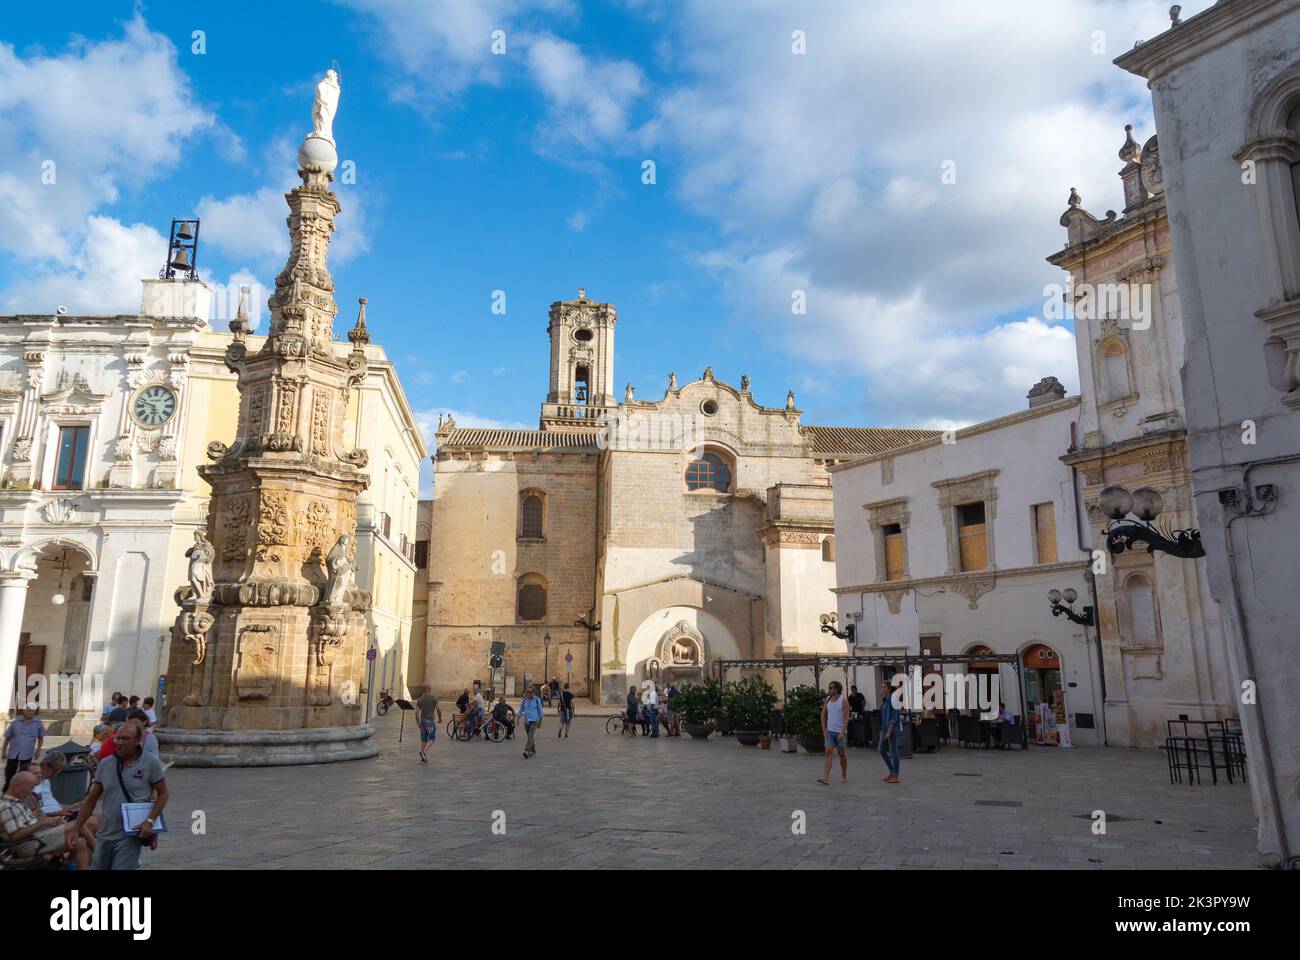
(651, 702)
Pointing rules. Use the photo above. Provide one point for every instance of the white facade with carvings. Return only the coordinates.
(928, 591)
(114, 547)
(1226, 92)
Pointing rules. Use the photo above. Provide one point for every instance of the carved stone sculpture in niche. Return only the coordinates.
(342, 571)
(272, 524)
(201, 556)
(235, 529)
(320, 424)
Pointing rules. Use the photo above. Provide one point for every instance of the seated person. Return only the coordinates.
(476, 712)
(30, 835)
(462, 702)
(43, 801)
(1003, 719)
(101, 733)
(504, 714)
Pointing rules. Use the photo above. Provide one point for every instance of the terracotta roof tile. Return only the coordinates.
(861, 441)
(518, 440)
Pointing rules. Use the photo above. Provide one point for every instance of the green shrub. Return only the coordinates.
(749, 703)
(696, 703)
(802, 712)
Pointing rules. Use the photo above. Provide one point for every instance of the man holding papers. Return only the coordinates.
(129, 781)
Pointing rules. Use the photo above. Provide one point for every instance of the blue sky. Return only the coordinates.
(775, 171)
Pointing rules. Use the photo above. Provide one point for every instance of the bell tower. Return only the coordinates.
(581, 391)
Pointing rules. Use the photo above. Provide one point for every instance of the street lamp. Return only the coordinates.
(546, 662)
(1145, 504)
(1085, 618)
(828, 626)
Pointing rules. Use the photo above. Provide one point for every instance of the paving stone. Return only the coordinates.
(607, 802)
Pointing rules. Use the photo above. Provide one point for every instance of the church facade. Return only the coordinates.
(633, 540)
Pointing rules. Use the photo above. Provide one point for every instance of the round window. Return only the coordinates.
(583, 335)
(709, 407)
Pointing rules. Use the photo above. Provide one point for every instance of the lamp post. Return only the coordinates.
(546, 662)
(1085, 618)
(828, 626)
(1145, 504)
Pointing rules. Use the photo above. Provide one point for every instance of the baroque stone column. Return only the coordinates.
(268, 651)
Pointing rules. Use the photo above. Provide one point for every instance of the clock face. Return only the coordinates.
(154, 405)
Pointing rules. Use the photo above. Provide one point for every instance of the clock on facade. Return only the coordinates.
(153, 406)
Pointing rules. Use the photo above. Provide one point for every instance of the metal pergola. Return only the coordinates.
(821, 661)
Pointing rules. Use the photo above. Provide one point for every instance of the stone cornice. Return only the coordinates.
(1127, 451)
(1203, 33)
(988, 426)
(955, 579)
(1113, 237)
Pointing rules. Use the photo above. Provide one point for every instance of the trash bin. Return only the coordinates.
(71, 784)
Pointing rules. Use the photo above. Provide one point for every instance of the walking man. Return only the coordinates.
(835, 722)
(890, 726)
(430, 717)
(566, 711)
(530, 712)
(24, 738)
(651, 702)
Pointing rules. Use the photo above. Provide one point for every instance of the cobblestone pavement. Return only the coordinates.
(595, 800)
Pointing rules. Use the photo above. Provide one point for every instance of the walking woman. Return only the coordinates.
(889, 731)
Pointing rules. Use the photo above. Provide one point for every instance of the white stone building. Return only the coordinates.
(1226, 91)
(1165, 655)
(103, 422)
(951, 548)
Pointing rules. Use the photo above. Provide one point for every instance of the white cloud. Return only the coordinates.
(251, 226)
(445, 47)
(460, 376)
(578, 220)
(588, 99)
(102, 276)
(110, 115)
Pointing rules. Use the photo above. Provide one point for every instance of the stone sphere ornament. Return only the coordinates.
(318, 154)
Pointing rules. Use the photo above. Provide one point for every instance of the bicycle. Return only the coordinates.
(492, 730)
(618, 724)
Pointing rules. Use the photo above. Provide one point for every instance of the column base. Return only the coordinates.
(266, 748)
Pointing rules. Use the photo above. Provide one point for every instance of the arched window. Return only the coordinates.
(708, 471)
(530, 516)
(828, 550)
(1114, 371)
(531, 597)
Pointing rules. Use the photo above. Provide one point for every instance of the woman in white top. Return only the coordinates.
(835, 720)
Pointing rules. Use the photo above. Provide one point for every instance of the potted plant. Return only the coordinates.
(803, 717)
(698, 706)
(749, 704)
(765, 742)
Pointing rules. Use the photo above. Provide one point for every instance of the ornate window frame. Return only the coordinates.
(1112, 337)
(958, 491)
(1274, 149)
(881, 514)
(519, 515)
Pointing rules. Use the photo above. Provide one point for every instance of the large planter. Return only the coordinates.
(812, 744)
(700, 731)
(749, 738)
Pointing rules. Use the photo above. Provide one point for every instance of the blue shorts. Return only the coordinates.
(835, 738)
(428, 730)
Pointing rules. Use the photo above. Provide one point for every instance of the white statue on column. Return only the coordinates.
(201, 555)
(327, 104)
